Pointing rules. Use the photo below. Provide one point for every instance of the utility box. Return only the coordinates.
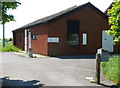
(104, 54)
(30, 53)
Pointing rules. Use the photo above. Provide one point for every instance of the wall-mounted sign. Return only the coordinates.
(53, 39)
(84, 39)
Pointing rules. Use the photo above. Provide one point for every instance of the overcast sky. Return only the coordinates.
(31, 10)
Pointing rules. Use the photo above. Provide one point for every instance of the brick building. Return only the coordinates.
(74, 31)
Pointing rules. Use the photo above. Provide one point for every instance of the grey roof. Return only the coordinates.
(48, 18)
(55, 16)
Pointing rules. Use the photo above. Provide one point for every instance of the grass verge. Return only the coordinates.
(111, 69)
(8, 48)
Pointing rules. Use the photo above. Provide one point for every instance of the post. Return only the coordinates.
(30, 49)
(3, 43)
(97, 79)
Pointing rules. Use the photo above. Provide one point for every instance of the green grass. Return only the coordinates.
(111, 69)
(8, 48)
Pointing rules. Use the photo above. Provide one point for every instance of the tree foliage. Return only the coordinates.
(5, 7)
(114, 21)
(8, 39)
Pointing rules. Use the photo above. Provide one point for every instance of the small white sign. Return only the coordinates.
(84, 39)
(53, 39)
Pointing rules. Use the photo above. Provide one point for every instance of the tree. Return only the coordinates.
(114, 21)
(10, 39)
(6, 6)
(4, 16)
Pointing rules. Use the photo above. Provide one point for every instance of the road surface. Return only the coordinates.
(22, 71)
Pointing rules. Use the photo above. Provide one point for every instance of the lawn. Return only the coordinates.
(111, 69)
(8, 48)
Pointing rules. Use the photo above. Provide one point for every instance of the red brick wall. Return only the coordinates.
(40, 44)
(91, 23)
(16, 39)
(117, 48)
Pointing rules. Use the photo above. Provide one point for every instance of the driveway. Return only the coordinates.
(19, 70)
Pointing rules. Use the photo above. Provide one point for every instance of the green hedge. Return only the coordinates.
(111, 69)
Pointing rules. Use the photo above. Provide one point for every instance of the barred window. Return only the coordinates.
(73, 32)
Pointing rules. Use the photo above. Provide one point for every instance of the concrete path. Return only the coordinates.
(19, 70)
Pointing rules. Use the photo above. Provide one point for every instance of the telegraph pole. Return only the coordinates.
(3, 43)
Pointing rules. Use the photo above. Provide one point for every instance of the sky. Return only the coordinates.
(31, 10)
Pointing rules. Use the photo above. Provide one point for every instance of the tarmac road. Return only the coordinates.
(22, 71)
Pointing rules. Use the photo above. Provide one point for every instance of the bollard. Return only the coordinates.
(97, 78)
(30, 53)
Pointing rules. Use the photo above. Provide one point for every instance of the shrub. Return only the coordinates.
(9, 48)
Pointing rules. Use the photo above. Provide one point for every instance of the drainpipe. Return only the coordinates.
(25, 46)
(29, 45)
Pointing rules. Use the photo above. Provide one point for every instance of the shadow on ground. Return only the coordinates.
(107, 86)
(8, 83)
(77, 57)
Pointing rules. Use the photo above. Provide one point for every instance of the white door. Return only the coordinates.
(107, 41)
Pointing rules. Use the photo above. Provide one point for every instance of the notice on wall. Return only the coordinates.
(53, 39)
(84, 39)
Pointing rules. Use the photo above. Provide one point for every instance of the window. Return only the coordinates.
(73, 39)
(73, 32)
(84, 39)
(34, 36)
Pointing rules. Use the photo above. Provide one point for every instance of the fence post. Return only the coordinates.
(97, 79)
